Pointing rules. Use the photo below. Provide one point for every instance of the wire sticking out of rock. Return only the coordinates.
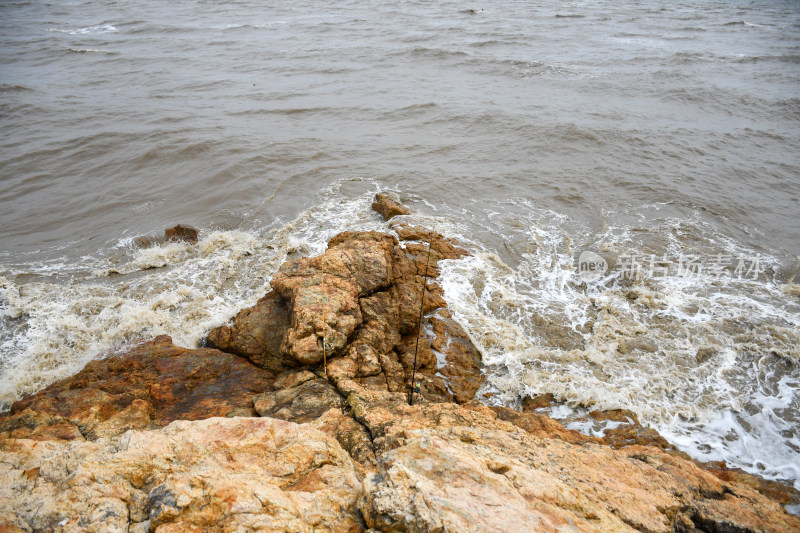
(414, 387)
(324, 324)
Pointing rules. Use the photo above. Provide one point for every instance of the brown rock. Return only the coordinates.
(149, 386)
(362, 296)
(542, 426)
(540, 401)
(257, 333)
(441, 247)
(388, 207)
(631, 432)
(626, 416)
(303, 403)
(630, 435)
(181, 233)
(143, 241)
(774, 490)
(293, 378)
(461, 367)
(326, 306)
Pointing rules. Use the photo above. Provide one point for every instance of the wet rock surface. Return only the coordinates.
(355, 310)
(388, 206)
(255, 435)
(181, 232)
(150, 386)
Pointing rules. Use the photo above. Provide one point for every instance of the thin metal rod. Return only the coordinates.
(324, 324)
(419, 325)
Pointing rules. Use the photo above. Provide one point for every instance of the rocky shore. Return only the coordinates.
(295, 417)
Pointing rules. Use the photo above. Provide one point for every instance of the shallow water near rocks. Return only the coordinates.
(661, 138)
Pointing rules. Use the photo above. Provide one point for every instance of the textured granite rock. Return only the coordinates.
(362, 299)
(219, 474)
(443, 467)
(181, 232)
(150, 386)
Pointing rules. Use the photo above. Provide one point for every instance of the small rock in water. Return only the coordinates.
(703, 354)
(143, 242)
(531, 403)
(389, 207)
(181, 233)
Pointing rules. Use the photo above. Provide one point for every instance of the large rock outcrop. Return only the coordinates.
(443, 467)
(438, 467)
(355, 311)
(257, 436)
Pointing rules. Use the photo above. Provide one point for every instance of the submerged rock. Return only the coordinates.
(181, 233)
(539, 401)
(626, 345)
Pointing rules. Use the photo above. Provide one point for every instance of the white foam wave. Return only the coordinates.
(53, 329)
(90, 51)
(88, 30)
(678, 351)
(50, 330)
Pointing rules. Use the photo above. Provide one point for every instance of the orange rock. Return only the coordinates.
(149, 386)
(388, 207)
(531, 403)
(443, 467)
(220, 474)
(774, 490)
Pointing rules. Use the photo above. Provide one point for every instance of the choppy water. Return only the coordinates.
(661, 136)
